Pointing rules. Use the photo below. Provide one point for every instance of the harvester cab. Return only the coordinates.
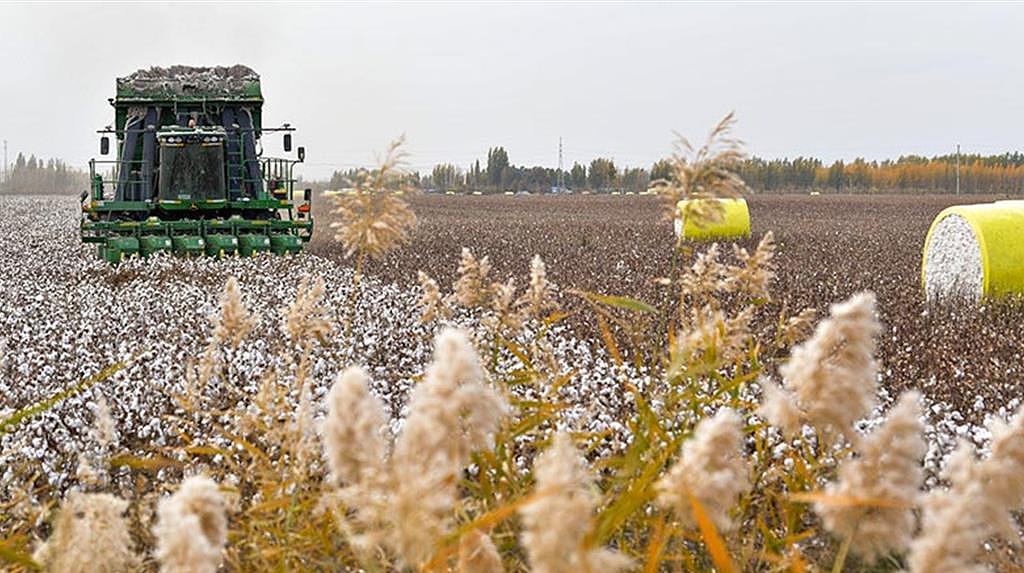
(191, 165)
(190, 177)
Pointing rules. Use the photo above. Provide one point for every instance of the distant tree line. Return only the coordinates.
(38, 177)
(498, 175)
(913, 174)
(910, 173)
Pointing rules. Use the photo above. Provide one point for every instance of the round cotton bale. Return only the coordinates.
(734, 223)
(974, 252)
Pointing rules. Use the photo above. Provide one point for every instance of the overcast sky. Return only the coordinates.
(833, 81)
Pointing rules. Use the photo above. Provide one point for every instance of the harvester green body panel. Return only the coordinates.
(151, 244)
(249, 244)
(188, 245)
(116, 248)
(282, 244)
(190, 176)
(218, 245)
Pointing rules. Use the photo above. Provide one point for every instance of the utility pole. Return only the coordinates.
(561, 171)
(958, 169)
(4, 180)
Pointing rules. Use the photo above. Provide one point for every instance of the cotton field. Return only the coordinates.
(342, 429)
(829, 247)
(67, 316)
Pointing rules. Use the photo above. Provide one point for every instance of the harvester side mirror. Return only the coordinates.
(104, 145)
(82, 197)
(287, 142)
(302, 153)
(307, 194)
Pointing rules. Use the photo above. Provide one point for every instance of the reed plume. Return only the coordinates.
(473, 288)
(304, 429)
(353, 432)
(708, 278)
(709, 333)
(93, 465)
(451, 413)
(433, 306)
(831, 378)
(951, 532)
(797, 327)
(234, 322)
(356, 448)
(976, 507)
(90, 535)
(230, 326)
(503, 306)
(1002, 476)
(710, 468)
(705, 172)
(192, 528)
(557, 521)
(779, 408)
(538, 295)
(754, 273)
(704, 278)
(372, 219)
(305, 318)
(882, 485)
(502, 310)
(104, 430)
(477, 554)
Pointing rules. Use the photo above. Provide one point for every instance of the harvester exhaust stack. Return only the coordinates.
(188, 177)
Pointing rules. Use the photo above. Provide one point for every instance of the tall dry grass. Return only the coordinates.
(743, 452)
(372, 216)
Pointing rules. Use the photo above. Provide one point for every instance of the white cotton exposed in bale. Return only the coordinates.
(952, 269)
(975, 252)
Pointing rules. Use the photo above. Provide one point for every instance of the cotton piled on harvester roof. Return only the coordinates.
(186, 80)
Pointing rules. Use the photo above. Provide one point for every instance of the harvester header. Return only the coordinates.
(189, 176)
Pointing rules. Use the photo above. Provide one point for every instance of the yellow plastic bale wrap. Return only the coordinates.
(983, 259)
(734, 223)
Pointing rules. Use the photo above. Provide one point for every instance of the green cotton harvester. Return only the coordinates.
(190, 177)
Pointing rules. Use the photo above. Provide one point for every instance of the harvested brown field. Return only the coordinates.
(829, 248)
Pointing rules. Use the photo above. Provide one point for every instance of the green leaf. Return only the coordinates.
(154, 463)
(16, 418)
(11, 555)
